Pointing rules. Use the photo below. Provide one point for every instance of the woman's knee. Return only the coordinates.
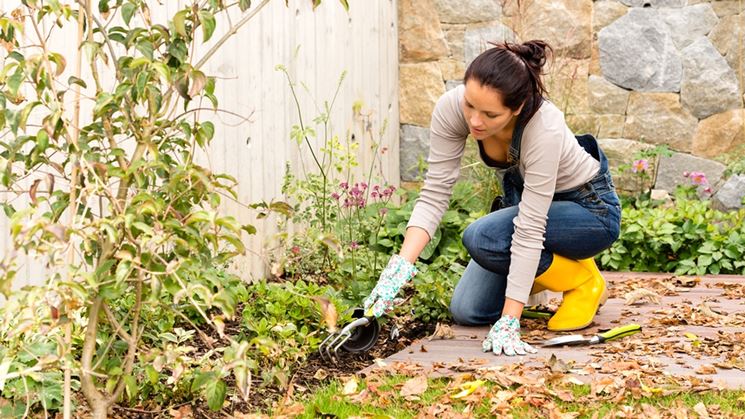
(462, 313)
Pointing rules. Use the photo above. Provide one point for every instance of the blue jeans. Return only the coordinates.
(582, 222)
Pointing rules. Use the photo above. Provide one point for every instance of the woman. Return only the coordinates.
(559, 207)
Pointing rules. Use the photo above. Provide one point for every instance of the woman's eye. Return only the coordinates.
(491, 115)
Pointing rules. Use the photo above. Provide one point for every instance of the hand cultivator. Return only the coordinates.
(358, 336)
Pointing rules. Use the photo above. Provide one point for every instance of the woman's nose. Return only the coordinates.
(475, 121)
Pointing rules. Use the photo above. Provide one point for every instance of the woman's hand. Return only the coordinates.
(398, 272)
(504, 336)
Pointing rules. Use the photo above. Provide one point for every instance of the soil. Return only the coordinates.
(395, 335)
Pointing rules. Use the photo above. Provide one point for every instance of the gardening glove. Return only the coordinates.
(398, 272)
(504, 336)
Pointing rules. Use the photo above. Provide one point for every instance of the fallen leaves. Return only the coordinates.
(641, 295)
(443, 331)
(414, 386)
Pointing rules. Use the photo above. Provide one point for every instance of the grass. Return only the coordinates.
(385, 400)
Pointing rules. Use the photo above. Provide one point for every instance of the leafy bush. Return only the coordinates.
(685, 237)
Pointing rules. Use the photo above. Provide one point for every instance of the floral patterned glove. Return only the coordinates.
(398, 272)
(504, 336)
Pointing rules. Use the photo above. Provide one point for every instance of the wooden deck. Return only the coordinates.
(696, 329)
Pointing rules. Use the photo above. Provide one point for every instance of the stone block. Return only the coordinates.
(420, 86)
(659, 118)
(730, 194)
(670, 172)
(709, 85)
(606, 12)
(720, 134)
(638, 53)
(414, 146)
(468, 11)
(477, 40)
(565, 24)
(605, 97)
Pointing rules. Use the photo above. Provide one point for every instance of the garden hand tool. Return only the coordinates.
(617, 333)
(358, 336)
(537, 312)
(362, 333)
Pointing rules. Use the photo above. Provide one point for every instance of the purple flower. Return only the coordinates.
(639, 166)
(344, 185)
(335, 195)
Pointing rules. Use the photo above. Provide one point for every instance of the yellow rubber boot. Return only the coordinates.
(583, 288)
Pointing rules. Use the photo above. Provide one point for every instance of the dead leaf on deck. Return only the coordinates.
(443, 331)
(328, 311)
(687, 282)
(414, 386)
(706, 369)
(640, 295)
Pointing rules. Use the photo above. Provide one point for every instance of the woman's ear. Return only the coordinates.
(520, 109)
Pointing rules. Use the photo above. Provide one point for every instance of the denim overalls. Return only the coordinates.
(582, 222)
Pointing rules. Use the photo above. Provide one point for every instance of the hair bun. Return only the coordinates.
(535, 53)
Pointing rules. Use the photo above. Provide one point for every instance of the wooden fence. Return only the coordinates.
(315, 47)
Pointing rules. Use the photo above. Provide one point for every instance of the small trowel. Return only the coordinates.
(612, 334)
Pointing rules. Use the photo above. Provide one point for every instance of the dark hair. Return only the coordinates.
(514, 70)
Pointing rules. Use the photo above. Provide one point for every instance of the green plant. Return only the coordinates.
(685, 237)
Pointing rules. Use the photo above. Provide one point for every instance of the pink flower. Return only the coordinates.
(639, 166)
(354, 246)
(383, 211)
(344, 185)
(335, 196)
(698, 178)
(295, 250)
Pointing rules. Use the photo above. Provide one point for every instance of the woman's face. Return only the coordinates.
(484, 111)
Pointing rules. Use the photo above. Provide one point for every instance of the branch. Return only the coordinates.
(89, 348)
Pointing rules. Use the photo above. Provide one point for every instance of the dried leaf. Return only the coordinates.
(639, 295)
(32, 190)
(700, 409)
(183, 412)
(422, 349)
(350, 386)
(467, 388)
(706, 369)
(443, 331)
(321, 374)
(414, 386)
(328, 311)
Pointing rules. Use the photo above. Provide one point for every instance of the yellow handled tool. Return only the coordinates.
(612, 334)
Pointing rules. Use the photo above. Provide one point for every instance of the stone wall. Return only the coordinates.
(633, 72)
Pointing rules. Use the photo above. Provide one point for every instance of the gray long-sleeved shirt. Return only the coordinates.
(551, 160)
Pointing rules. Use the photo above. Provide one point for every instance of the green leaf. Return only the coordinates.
(128, 10)
(214, 392)
(74, 80)
(244, 5)
(208, 24)
(179, 22)
(345, 4)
